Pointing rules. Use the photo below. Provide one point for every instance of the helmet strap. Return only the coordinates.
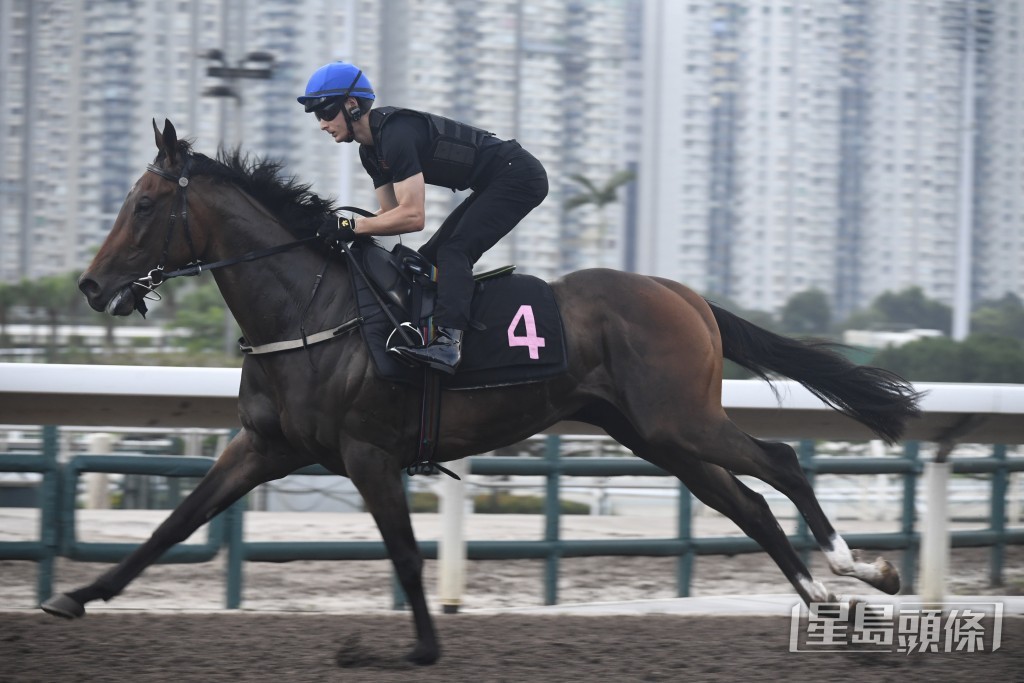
(349, 120)
(344, 104)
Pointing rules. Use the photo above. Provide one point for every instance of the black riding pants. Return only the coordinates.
(517, 186)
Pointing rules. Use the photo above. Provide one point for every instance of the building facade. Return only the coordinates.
(999, 252)
(780, 145)
(545, 72)
(799, 144)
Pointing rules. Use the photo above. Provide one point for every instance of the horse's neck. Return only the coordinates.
(268, 296)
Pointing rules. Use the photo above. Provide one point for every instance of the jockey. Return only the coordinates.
(402, 150)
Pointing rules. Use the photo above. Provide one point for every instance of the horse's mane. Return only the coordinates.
(299, 209)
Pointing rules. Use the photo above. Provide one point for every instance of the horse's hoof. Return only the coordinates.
(63, 606)
(424, 655)
(889, 577)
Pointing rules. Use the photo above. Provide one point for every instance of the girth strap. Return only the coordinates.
(325, 335)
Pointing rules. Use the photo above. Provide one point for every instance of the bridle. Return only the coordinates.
(157, 276)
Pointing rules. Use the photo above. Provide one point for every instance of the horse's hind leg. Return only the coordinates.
(378, 477)
(722, 491)
(777, 465)
(790, 480)
(238, 470)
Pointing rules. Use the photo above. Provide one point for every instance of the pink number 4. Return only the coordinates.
(531, 340)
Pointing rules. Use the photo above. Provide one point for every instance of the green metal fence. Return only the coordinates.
(57, 502)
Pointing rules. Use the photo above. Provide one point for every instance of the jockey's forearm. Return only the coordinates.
(397, 221)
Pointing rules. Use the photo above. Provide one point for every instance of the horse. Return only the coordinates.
(645, 357)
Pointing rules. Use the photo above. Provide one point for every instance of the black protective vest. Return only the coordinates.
(454, 147)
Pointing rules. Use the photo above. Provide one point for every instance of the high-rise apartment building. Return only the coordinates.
(999, 252)
(109, 68)
(738, 171)
(112, 68)
(549, 73)
(798, 144)
(781, 145)
(912, 157)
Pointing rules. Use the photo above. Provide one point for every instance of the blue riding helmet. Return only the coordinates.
(334, 80)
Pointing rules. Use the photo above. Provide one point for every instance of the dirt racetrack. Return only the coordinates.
(505, 647)
(285, 635)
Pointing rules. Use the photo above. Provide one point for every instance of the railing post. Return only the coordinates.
(234, 537)
(935, 532)
(684, 566)
(97, 495)
(552, 522)
(451, 551)
(49, 511)
(911, 451)
(998, 522)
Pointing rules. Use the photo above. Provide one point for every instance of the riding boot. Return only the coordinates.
(444, 353)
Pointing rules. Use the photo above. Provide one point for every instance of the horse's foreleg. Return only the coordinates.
(379, 479)
(239, 469)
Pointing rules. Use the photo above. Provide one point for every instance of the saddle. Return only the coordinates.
(399, 274)
(515, 333)
(396, 292)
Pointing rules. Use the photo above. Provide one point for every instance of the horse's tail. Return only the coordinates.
(881, 400)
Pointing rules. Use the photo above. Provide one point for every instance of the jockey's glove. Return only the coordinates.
(335, 230)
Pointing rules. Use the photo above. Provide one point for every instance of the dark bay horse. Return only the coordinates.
(645, 364)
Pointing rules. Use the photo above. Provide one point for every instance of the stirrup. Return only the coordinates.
(391, 348)
(429, 468)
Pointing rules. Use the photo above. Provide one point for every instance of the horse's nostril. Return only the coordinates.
(88, 286)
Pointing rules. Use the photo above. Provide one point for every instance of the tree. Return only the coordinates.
(57, 296)
(599, 198)
(980, 358)
(27, 294)
(8, 297)
(902, 310)
(936, 359)
(806, 313)
(1003, 317)
(202, 311)
(994, 359)
(912, 308)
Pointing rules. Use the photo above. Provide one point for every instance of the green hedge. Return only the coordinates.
(499, 503)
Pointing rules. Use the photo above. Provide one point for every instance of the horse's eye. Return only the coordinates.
(144, 205)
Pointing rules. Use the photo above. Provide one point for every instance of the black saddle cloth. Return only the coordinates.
(516, 336)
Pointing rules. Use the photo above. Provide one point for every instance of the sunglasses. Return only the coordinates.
(330, 109)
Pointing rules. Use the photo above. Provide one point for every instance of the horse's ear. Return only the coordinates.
(167, 141)
(170, 142)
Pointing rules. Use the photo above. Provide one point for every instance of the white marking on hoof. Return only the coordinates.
(842, 562)
(815, 590)
(879, 574)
